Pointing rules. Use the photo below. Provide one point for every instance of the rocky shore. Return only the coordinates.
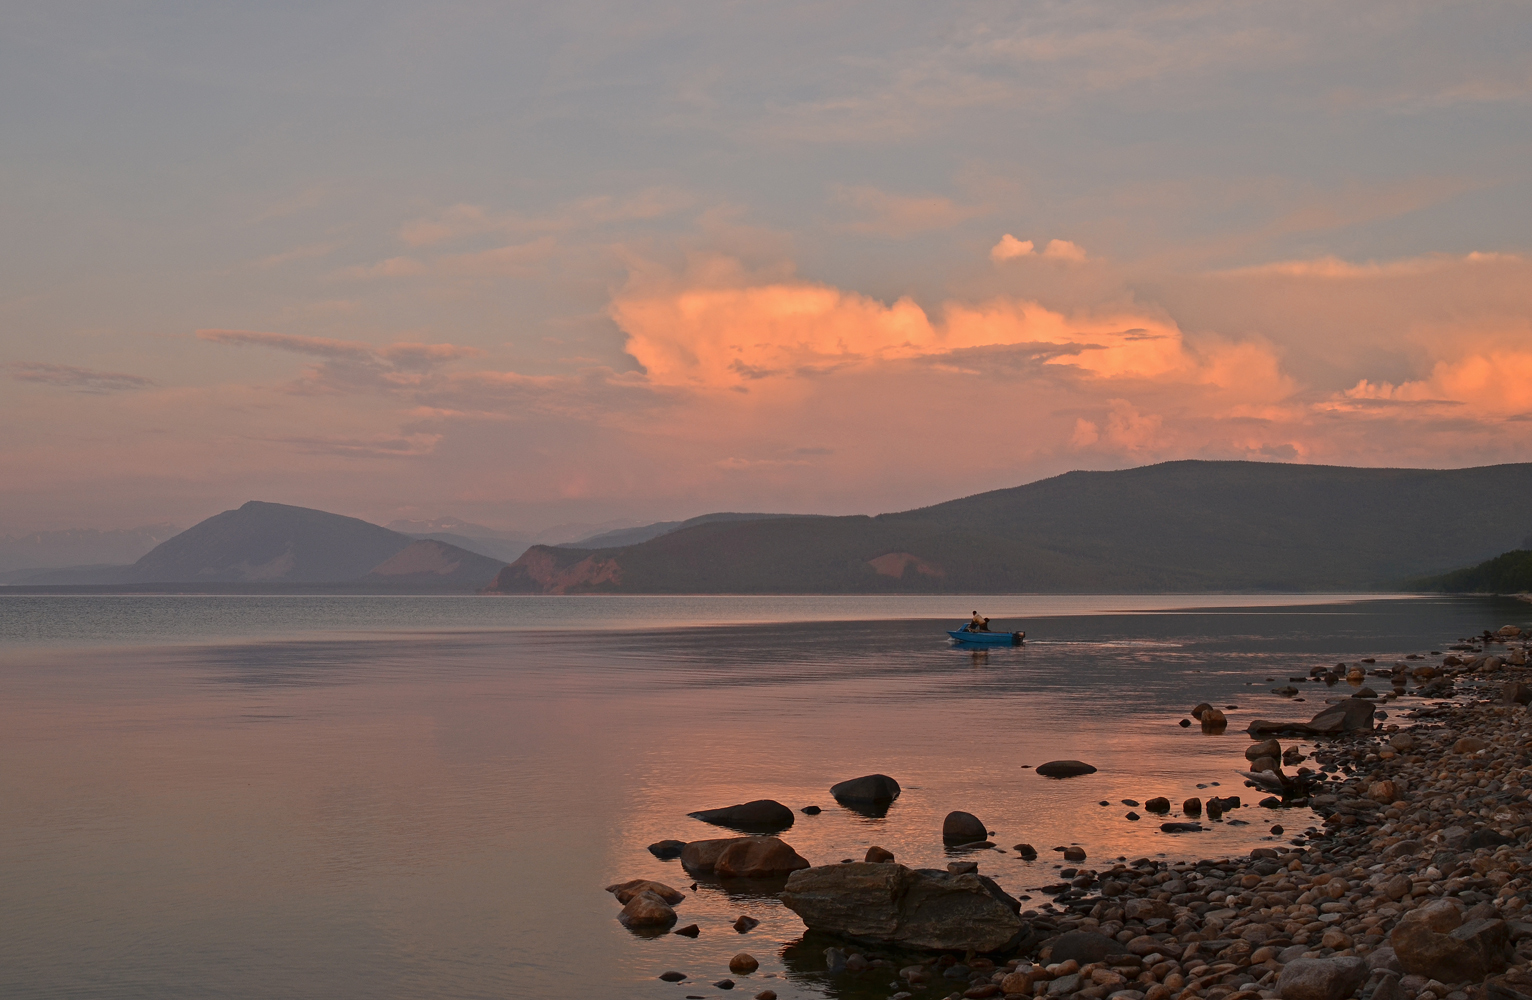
(1416, 887)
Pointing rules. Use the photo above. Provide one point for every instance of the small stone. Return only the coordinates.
(690, 930)
(766, 995)
(962, 867)
(1132, 816)
(725, 984)
(1158, 805)
(1192, 806)
(878, 855)
(743, 964)
(1185, 723)
(1074, 854)
(672, 977)
(625, 891)
(1470, 744)
(1027, 851)
(667, 849)
(1277, 830)
(746, 923)
(811, 810)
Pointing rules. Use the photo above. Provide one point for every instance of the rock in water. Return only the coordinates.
(1346, 716)
(874, 789)
(667, 849)
(625, 891)
(1321, 978)
(918, 909)
(963, 828)
(878, 855)
(701, 855)
(757, 857)
(743, 964)
(1064, 769)
(746, 923)
(1267, 748)
(1433, 941)
(647, 910)
(762, 815)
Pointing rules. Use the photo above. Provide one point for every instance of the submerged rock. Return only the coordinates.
(914, 908)
(667, 849)
(761, 815)
(875, 789)
(1064, 769)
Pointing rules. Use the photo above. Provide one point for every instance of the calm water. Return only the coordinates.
(423, 797)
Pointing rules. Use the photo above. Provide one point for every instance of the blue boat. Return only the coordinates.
(964, 634)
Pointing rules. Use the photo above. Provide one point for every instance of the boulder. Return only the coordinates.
(625, 891)
(743, 964)
(1202, 707)
(875, 789)
(878, 855)
(667, 849)
(647, 910)
(762, 815)
(1266, 748)
(1517, 692)
(700, 855)
(1347, 715)
(1470, 744)
(1433, 941)
(1074, 854)
(1158, 804)
(1321, 978)
(1213, 720)
(757, 857)
(963, 828)
(1064, 769)
(1192, 807)
(890, 903)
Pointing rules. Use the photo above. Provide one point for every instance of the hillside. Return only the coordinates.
(278, 544)
(1179, 526)
(1509, 573)
(622, 537)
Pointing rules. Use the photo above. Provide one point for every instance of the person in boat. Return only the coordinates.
(978, 623)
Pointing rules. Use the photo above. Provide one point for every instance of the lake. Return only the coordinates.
(321, 796)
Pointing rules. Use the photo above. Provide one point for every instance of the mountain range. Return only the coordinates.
(1189, 526)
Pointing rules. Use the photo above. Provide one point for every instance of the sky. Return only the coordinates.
(547, 263)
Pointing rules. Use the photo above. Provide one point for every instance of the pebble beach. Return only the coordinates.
(1413, 887)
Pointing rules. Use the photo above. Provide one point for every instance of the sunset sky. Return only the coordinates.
(538, 263)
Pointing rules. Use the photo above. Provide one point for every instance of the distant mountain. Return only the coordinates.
(632, 536)
(276, 544)
(79, 547)
(1175, 527)
(1509, 573)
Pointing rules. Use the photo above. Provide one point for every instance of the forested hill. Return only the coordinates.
(1187, 526)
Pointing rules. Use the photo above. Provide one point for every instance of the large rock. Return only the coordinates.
(762, 815)
(1321, 978)
(1346, 716)
(913, 908)
(963, 828)
(701, 855)
(870, 789)
(625, 891)
(1064, 769)
(647, 910)
(1433, 941)
(757, 857)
